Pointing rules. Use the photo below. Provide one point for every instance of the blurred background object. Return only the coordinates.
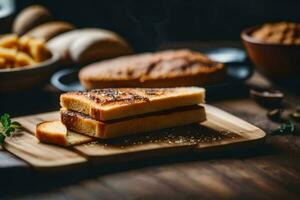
(274, 60)
(212, 27)
(148, 24)
(7, 9)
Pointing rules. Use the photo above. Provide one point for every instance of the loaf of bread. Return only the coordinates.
(87, 45)
(98, 44)
(49, 30)
(84, 124)
(29, 18)
(55, 132)
(108, 104)
(171, 68)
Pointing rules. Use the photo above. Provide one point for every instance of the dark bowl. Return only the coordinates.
(275, 61)
(27, 77)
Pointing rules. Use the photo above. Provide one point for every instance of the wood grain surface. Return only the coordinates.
(220, 129)
(269, 172)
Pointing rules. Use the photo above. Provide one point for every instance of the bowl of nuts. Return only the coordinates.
(24, 63)
(274, 48)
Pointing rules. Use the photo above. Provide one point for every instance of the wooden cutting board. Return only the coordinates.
(221, 130)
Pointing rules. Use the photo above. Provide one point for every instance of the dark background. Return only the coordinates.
(147, 24)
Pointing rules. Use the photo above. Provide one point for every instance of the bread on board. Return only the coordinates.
(116, 103)
(84, 124)
(55, 132)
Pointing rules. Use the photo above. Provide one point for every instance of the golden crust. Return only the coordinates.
(55, 132)
(162, 69)
(114, 103)
(143, 123)
(43, 135)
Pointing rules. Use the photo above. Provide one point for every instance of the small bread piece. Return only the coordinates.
(55, 132)
(29, 18)
(24, 43)
(172, 68)
(144, 123)
(38, 50)
(49, 30)
(116, 103)
(2, 63)
(9, 41)
(8, 54)
(23, 59)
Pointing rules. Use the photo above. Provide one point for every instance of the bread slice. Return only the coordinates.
(116, 103)
(144, 123)
(172, 68)
(55, 132)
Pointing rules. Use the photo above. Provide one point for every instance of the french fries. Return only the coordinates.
(20, 52)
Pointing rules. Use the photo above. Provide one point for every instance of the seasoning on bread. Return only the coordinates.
(84, 124)
(171, 68)
(29, 18)
(109, 113)
(55, 132)
(116, 103)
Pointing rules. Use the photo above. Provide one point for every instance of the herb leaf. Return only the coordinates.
(15, 124)
(5, 120)
(7, 127)
(285, 128)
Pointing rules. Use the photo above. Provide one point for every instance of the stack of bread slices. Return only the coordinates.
(109, 113)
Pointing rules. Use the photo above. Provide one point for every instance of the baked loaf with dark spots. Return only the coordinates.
(170, 68)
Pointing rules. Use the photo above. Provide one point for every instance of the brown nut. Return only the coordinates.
(267, 98)
(296, 115)
(275, 115)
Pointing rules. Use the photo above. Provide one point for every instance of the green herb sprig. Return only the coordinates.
(7, 127)
(285, 128)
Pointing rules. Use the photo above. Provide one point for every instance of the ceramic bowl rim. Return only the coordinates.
(52, 60)
(245, 35)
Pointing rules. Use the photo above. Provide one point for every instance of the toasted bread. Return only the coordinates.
(143, 123)
(55, 132)
(173, 68)
(108, 104)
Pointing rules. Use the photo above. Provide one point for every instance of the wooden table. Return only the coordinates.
(269, 172)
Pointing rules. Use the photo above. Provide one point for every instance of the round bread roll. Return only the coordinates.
(89, 40)
(49, 30)
(29, 18)
(98, 44)
(62, 42)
